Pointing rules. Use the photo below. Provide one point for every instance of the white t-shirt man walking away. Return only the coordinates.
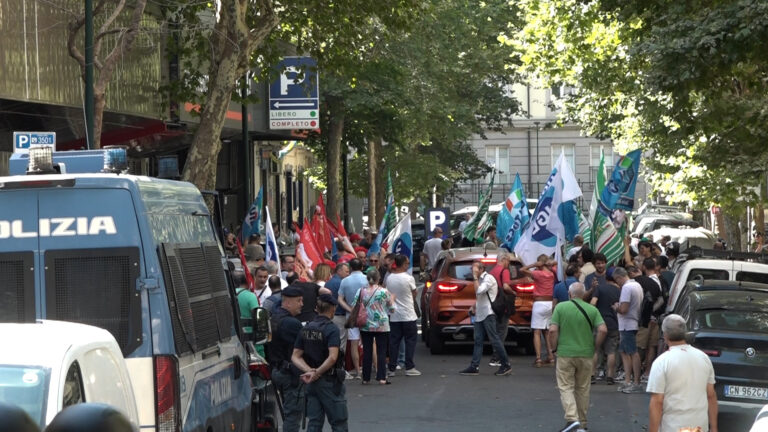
(432, 247)
(402, 323)
(682, 385)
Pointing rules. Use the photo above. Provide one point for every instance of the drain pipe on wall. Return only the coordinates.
(528, 101)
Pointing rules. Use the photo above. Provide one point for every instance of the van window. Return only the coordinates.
(708, 274)
(745, 276)
(96, 287)
(198, 295)
(26, 387)
(17, 289)
(73, 387)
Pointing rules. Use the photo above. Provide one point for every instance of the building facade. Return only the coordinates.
(530, 148)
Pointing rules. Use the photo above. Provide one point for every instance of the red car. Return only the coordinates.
(450, 292)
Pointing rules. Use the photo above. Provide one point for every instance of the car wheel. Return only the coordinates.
(436, 342)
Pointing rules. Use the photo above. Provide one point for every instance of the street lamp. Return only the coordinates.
(537, 146)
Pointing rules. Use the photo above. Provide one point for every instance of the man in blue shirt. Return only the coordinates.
(560, 293)
(340, 315)
(346, 298)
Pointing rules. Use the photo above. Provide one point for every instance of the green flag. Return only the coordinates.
(605, 238)
(481, 221)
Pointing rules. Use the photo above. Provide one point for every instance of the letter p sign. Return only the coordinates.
(438, 217)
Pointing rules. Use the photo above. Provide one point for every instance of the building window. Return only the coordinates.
(568, 150)
(498, 156)
(594, 159)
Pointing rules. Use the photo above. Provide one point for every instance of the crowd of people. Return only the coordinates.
(600, 322)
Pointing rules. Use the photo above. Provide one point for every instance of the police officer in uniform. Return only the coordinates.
(285, 330)
(316, 354)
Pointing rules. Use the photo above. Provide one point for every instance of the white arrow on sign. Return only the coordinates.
(284, 104)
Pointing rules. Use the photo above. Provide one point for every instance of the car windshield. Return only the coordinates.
(25, 387)
(732, 320)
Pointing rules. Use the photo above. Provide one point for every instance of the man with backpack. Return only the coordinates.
(484, 321)
(576, 328)
(504, 303)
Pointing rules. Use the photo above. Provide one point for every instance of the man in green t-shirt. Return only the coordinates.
(576, 328)
(246, 300)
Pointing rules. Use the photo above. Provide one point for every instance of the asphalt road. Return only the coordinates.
(528, 400)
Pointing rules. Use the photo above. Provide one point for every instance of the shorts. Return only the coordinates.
(353, 334)
(628, 341)
(541, 314)
(610, 343)
(648, 337)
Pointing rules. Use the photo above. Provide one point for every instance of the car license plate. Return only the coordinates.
(745, 392)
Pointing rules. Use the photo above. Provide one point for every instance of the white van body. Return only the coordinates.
(42, 365)
(715, 269)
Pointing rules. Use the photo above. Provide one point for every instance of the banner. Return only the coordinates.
(480, 221)
(253, 218)
(400, 240)
(619, 192)
(270, 246)
(320, 227)
(513, 217)
(307, 250)
(605, 237)
(555, 218)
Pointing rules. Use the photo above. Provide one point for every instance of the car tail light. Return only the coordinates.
(447, 287)
(166, 394)
(525, 288)
(488, 260)
(711, 352)
(262, 369)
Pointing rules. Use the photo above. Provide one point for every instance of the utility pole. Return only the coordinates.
(89, 74)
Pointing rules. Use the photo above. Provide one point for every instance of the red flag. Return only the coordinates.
(307, 248)
(248, 275)
(321, 230)
(342, 233)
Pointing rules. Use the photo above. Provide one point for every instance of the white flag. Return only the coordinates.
(400, 240)
(555, 216)
(271, 252)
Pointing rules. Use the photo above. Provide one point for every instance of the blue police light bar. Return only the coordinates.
(76, 162)
(115, 160)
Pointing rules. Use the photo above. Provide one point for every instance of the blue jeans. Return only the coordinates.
(483, 328)
(402, 331)
(323, 402)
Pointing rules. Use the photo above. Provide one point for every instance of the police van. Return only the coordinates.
(139, 257)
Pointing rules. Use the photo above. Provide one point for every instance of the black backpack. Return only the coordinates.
(503, 304)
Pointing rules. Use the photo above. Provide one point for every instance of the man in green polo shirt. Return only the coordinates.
(576, 328)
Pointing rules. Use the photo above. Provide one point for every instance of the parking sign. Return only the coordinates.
(23, 140)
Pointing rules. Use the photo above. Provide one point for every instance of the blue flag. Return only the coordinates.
(385, 224)
(252, 219)
(619, 192)
(513, 217)
(271, 250)
(400, 240)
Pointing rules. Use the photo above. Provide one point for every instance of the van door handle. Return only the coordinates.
(210, 352)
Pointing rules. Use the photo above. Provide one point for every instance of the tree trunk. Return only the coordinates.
(200, 168)
(99, 103)
(333, 157)
(372, 179)
(734, 234)
(381, 181)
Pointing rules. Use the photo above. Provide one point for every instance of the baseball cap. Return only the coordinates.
(292, 291)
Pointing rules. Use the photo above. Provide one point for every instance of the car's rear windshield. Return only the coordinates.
(461, 270)
(745, 276)
(27, 388)
(708, 274)
(735, 320)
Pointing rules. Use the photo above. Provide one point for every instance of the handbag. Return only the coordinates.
(416, 307)
(359, 315)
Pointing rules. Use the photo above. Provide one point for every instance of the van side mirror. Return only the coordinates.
(262, 328)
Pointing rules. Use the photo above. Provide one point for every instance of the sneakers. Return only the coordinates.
(470, 371)
(620, 376)
(609, 380)
(494, 362)
(398, 367)
(412, 372)
(633, 388)
(593, 380)
(504, 370)
(390, 373)
(349, 376)
(622, 386)
(644, 378)
(571, 427)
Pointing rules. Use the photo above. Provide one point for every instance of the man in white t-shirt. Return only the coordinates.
(628, 313)
(402, 323)
(682, 385)
(432, 247)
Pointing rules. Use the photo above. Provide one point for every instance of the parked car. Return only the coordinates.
(715, 267)
(449, 293)
(729, 323)
(49, 365)
(648, 222)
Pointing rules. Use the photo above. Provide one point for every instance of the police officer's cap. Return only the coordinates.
(292, 291)
(90, 417)
(15, 419)
(327, 298)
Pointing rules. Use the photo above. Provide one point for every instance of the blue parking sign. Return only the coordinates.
(23, 140)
